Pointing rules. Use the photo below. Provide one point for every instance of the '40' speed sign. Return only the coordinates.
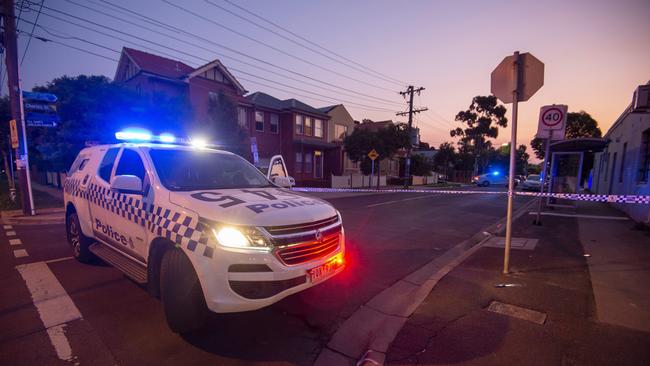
(552, 122)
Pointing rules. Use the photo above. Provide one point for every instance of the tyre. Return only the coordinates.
(181, 293)
(486, 183)
(78, 241)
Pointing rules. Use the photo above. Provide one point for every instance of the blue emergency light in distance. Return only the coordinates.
(140, 135)
(495, 173)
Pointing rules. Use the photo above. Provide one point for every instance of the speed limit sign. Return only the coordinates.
(552, 122)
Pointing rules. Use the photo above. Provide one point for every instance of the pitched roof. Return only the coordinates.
(158, 65)
(268, 101)
(328, 108)
(224, 71)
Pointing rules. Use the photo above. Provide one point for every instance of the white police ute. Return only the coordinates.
(203, 229)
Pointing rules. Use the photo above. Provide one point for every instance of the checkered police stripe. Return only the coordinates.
(639, 199)
(182, 229)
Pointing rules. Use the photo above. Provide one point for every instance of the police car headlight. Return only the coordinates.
(246, 238)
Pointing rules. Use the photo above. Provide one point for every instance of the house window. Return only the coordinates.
(298, 166)
(241, 117)
(622, 168)
(318, 164)
(259, 121)
(299, 124)
(309, 126)
(308, 164)
(275, 123)
(340, 131)
(318, 128)
(644, 159)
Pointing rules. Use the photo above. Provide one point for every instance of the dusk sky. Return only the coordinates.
(596, 52)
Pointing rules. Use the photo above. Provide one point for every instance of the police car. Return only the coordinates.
(203, 229)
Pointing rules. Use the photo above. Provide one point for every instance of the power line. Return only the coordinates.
(362, 69)
(43, 39)
(175, 29)
(29, 41)
(308, 41)
(272, 47)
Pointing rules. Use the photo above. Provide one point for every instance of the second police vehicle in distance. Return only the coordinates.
(203, 229)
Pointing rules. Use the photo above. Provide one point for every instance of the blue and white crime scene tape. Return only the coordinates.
(611, 198)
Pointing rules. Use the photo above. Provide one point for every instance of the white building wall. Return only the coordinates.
(610, 178)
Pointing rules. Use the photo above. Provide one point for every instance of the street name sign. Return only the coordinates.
(41, 119)
(41, 97)
(552, 122)
(531, 78)
(373, 154)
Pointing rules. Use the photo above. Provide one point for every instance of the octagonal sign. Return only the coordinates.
(531, 78)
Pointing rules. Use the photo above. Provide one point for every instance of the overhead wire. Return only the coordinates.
(401, 84)
(310, 42)
(288, 54)
(29, 40)
(160, 24)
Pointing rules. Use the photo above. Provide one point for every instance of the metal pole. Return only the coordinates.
(547, 150)
(372, 173)
(15, 95)
(407, 163)
(511, 178)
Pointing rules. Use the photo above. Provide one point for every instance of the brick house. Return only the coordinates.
(341, 124)
(289, 127)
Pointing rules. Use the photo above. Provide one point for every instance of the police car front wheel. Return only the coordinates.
(78, 241)
(181, 293)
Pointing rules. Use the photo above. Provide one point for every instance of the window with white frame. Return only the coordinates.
(340, 131)
(298, 164)
(241, 117)
(259, 121)
(309, 126)
(274, 123)
(318, 128)
(644, 159)
(299, 124)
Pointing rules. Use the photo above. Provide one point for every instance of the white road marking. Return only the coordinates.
(60, 342)
(11, 233)
(20, 253)
(7, 227)
(396, 201)
(52, 302)
(59, 259)
(581, 216)
(15, 242)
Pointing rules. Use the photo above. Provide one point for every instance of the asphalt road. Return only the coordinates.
(389, 235)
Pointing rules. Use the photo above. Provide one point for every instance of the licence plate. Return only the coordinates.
(323, 271)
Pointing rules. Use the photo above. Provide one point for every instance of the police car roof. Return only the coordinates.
(150, 145)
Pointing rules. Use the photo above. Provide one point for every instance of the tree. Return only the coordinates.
(223, 125)
(421, 165)
(386, 141)
(579, 124)
(445, 157)
(482, 121)
(92, 108)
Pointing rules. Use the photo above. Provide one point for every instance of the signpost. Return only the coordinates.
(14, 134)
(373, 155)
(515, 79)
(40, 110)
(256, 156)
(552, 122)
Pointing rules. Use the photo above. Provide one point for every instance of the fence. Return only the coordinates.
(356, 181)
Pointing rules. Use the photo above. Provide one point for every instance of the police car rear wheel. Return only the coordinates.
(78, 241)
(181, 293)
(486, 184)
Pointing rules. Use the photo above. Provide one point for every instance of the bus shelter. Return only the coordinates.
(572, 162)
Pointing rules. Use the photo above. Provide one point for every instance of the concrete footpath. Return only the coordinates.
(578, 294)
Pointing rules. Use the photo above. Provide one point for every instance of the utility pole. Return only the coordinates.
(410, 91)
(16, 101)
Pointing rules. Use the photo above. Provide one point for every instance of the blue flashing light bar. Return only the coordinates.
(167, 138)
(140, 135)
(495, 173)
(134, 135)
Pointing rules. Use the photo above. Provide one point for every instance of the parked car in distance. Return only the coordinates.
(488, 179)
(532, 183)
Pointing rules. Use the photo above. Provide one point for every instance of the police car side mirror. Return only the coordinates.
(285, 182)
(129, 184)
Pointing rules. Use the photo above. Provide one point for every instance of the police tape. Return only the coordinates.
(610, 198)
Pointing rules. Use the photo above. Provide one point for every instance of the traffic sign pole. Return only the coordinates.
(547, 151)
(511, 178)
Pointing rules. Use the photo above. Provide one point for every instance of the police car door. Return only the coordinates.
(122, 227)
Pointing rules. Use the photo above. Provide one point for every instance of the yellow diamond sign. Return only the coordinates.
(373, 154)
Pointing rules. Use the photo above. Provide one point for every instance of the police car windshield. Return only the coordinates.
(185, 170)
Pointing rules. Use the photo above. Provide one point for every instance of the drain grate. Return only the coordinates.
(516, 243)
(517, 312)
